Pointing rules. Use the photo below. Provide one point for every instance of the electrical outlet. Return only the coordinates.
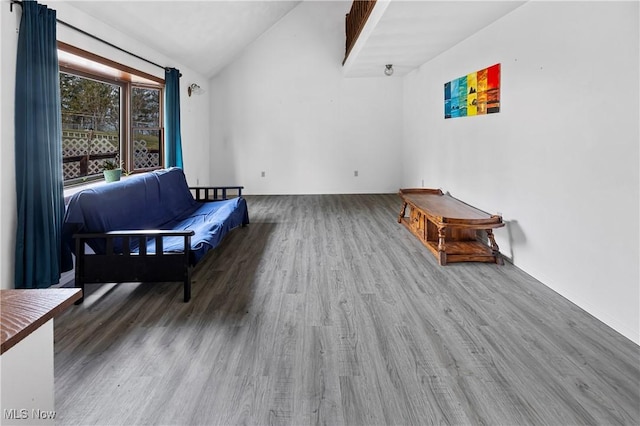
(355, 173)
(263, 174)
(423, 183)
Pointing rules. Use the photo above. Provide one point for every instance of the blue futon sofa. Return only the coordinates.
(148, 228)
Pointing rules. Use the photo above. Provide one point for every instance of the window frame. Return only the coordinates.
(126, 78)
(130, 147)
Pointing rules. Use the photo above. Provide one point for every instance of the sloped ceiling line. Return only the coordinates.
(203, 35)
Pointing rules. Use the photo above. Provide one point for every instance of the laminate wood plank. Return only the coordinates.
(318, 400)
(360, 406)
(391, 366)
(441, 405)
(283, 390)
(324, 310)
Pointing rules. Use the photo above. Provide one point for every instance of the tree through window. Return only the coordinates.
(108, 113)
(90, 125)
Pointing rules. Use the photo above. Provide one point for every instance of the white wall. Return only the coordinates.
(284, 107)
(560, 161)
(27, 381)
(8, 43)
(194, 110)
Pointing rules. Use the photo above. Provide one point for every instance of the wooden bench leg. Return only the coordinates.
(442, 247)
(494, 247)
(402, 212)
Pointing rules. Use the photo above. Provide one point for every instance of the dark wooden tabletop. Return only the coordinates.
(23, 311)
(444, 206)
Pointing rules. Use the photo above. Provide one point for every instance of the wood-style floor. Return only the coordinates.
(326, 311)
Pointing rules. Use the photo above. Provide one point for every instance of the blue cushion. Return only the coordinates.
(156, 200)
(144, 201)
(211, 222)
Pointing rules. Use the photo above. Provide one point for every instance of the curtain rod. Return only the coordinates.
(18, 2)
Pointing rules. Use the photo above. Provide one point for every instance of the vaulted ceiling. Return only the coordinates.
(203, 35)
(207, 35)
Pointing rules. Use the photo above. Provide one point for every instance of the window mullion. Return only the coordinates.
(127, 131)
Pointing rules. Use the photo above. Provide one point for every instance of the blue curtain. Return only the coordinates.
(172, 138)
(38, 150)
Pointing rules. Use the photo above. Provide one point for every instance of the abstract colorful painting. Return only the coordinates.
(477, 93)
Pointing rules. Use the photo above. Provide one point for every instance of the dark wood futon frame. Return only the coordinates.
(141, 266)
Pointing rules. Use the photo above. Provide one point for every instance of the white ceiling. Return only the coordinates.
(409, 33)
(203, 35)
(207, 35)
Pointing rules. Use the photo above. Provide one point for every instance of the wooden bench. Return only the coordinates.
(448, 227)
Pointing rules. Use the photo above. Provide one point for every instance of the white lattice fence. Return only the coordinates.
(80, 146)
(143, 157)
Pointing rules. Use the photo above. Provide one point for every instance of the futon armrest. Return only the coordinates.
(126, 236)
(211, 193)
(124, 266)
(138, 232)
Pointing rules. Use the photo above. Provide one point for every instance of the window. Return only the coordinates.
(91, 130)
(145, 127)
(109, 112)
